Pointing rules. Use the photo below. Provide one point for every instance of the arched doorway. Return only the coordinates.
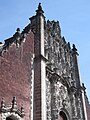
(63, 116)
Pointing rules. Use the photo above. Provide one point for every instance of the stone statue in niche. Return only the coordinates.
(62, 92)
(64, 97)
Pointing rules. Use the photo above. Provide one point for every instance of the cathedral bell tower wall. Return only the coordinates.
(37, 26)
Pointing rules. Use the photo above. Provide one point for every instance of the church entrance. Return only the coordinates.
(63, 116)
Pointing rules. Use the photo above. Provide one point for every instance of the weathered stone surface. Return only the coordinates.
(63, 80)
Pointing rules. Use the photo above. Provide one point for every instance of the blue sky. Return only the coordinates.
(74, 18)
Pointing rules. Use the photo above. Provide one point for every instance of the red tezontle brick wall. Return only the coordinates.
(15, 74)
(87, 107)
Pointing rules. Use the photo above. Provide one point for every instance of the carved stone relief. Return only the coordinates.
(60, 63)
(57, 98)
(57, 51)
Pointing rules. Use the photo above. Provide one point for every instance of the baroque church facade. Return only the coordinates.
(39, 75)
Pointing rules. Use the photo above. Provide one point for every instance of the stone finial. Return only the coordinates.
(64, 39)
(18, 30)
(39, 6)
(2, 104)
(22, 111)
(14, 104)
(39, 11)
(74, 48)
(84, 88)
(69, 45)
(17, 35)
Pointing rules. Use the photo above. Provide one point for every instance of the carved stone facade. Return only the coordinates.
(44, 74)
(62, 80)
